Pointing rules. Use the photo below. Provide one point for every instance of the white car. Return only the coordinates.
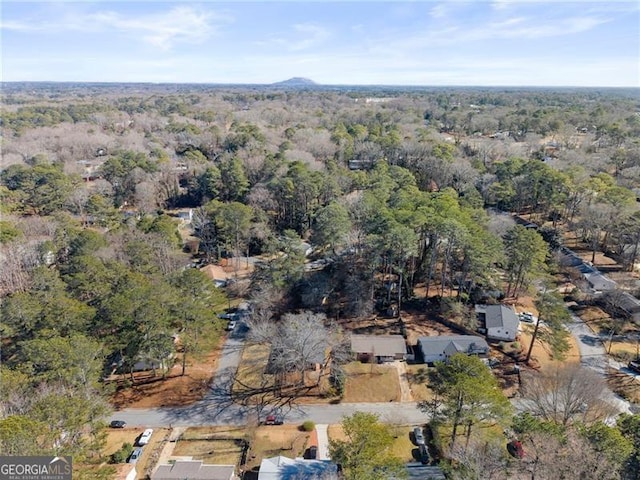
(145, 437)
(527, 317)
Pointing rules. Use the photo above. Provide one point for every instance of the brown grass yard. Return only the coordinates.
(251, 379)
(252, 366)
(402, 446)
(418, 378)
(370, 382)
(213, 451)
(270, 441)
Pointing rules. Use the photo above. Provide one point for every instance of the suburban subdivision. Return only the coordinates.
(298, 281)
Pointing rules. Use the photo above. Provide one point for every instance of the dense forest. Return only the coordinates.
(407, 184)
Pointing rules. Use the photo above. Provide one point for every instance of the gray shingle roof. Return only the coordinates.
(452, 344)
(501, 316)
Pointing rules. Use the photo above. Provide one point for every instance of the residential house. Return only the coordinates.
(194, 470)
(284, 468)
(217, 274)
(620, 302)
(186, 215)
(417, 471)
(440, 348)
(381, 348)
(598, 283)
(499, 321)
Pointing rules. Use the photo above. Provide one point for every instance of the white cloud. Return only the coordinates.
(439, 11)
(311, 35)
(180, 24)
(183, 23)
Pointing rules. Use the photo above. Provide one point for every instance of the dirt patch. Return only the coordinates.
(173, 390)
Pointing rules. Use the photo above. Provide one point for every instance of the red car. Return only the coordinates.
(273, 420)
(514, 447)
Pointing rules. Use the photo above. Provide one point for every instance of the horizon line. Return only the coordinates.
(313, 84)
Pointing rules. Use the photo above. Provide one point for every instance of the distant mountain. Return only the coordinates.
(295, 82)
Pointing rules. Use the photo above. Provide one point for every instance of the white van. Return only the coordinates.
(145, 437)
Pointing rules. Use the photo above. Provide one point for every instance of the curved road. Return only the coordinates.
(593, 355)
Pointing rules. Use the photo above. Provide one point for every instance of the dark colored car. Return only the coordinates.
(424, 454)
(273, 420)
(634, 366)
(312, 453)
(118, 424)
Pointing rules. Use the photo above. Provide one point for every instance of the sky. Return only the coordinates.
(422, 43)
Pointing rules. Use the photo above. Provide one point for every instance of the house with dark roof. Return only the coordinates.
(285, 468)
(194, 470)
(440, 348)
(378, 348)
(499, 321)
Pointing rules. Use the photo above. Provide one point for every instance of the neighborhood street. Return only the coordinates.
(594, 355)
(218, 408)
(209, 412)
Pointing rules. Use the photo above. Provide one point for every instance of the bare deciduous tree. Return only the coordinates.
(566, 394)
(17, 260)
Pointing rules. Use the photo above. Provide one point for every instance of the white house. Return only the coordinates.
(500, 321)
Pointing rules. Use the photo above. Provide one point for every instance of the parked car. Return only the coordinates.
(424, 454)
(312, 453)
(273, 420)
(118, 424)
(526, 317)
(418, 436)
(514, 447)
(135, 455)
(231, 325)
(634, 366)
(145, 437)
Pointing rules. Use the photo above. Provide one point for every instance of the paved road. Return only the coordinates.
(217, 408)
(211, 413)
(594, 356)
